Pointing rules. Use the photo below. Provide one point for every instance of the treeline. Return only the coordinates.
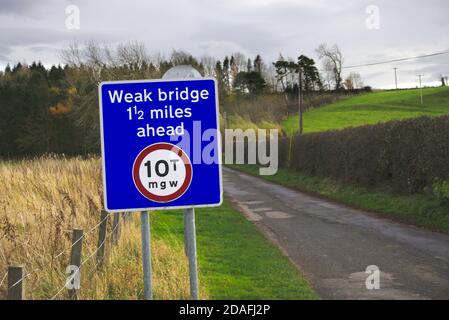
(56, 110)
(35, 112)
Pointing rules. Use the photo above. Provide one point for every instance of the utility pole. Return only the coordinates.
(396, 78)
(420, 87)
(300, 108)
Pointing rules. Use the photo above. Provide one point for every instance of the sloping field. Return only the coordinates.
(373, 108)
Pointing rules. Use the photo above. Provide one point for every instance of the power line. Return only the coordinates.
(397, 60)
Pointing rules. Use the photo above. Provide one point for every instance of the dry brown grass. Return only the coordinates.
(41, 201)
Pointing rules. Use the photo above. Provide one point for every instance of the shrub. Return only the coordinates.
(408, 156)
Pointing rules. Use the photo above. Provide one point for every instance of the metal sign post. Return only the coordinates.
(146, 255)
(190, 238)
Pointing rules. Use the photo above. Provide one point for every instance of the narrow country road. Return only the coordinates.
(333, 244)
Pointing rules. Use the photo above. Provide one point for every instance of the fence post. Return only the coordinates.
(16, 282)
(116, 228)
(75, 260)
(102, 238)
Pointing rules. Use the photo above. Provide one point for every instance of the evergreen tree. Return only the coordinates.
(311, 76)
(249, 65)
(226, 74)
(249, 82)
(258, 64)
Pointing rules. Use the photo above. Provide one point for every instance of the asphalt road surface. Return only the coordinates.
(333, 244)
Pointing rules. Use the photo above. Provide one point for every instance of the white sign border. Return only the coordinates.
(103, 163)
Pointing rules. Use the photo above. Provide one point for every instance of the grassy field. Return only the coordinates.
(42, 200)
(373, 108)
(419, 210)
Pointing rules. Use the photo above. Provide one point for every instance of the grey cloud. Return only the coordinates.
(217, 28)
(16, 7)
(4, 51)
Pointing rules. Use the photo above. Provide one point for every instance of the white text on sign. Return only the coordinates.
(163, 111)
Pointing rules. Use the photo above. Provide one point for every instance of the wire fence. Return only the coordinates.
(99, 250)
(3, 279)
(91, 255)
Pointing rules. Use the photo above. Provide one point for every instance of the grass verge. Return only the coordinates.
(420, 210)
(235, 260)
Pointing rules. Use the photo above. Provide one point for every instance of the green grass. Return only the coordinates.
(235, 260)
(420, 210)
(373, 108)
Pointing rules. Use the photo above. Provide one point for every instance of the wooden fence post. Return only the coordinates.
(102, 238)
(116, 228)
(75, 260)
(16, 282)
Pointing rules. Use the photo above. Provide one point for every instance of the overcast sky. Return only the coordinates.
(36, 30)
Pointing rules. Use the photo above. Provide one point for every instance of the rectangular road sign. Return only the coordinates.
(160, 144)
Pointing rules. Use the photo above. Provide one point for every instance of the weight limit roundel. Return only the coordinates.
(162, 172)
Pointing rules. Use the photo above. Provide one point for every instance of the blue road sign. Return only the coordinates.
(160, 144)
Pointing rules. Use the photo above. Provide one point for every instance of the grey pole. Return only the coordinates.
(420, 87)
(300, 106)
(146, 255)
(190, 236)
(186, 72)
(395, 78)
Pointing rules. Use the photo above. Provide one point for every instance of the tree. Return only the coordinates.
(226, 75)
(209, 64)
(240, 61)
(249, 65)
(35, 112)
(249, 82)
(180, 57)
(258, 64)
(219, 75)
(284, 69)
(332, 62)
(311, 77)
(234, 70)
(353, 81)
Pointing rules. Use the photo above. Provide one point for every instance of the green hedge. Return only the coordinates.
(408, 156)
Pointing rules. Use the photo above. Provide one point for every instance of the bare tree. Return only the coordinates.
(332, 62)
(353, 81)
(133, 55)
(72, 55)
(209, 64)
(240, 61)
(270, 77)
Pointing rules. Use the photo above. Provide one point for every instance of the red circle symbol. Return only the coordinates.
(177, 153)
